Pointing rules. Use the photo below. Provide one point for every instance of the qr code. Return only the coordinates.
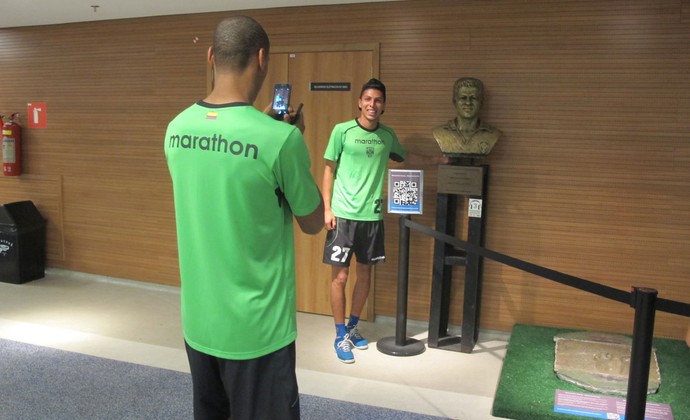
(405, 193)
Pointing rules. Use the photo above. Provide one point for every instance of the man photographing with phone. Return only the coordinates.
(239, 177)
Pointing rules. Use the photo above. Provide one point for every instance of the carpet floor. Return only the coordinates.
(42, 383)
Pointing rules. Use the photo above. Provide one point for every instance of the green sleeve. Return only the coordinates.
(292, 170)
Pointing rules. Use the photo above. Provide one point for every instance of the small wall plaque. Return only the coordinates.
(474, 207)
(461, 180)
(330, 86)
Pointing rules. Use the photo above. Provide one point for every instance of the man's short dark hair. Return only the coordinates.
(236, 40)
(374, 84)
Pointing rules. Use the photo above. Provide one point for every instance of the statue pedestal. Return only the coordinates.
(466, 182)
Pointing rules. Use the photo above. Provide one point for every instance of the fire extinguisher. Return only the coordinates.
(12, 146)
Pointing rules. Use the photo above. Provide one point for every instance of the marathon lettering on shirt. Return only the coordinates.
(368, 141)
(214, 144)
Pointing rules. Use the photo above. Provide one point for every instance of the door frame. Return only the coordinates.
(374, 48)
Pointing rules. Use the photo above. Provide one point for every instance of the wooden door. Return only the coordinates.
(318, 76)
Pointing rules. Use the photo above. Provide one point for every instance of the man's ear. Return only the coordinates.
(209, 55)
(263, 59)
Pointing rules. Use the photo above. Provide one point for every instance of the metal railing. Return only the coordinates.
(643, 299)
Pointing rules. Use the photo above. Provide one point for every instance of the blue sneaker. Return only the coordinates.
(356, 339)
(342, 349)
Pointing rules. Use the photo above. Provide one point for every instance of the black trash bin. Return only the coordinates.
(22, 243)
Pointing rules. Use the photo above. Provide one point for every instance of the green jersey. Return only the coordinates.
(238, 177)
(361, 158)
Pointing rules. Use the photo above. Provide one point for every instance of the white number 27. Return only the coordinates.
(340, 254)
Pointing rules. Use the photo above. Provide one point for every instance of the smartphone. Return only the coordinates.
(294, 118)
(281, 98)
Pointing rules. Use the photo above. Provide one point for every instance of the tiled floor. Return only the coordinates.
(139, 322)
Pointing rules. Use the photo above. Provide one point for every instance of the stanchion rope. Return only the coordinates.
(665, 305)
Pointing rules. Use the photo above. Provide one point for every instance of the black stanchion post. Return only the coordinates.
(439, 308)
(644, 302)
(400, 345)
(403, 282)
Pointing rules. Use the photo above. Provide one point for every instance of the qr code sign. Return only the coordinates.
(405, 193)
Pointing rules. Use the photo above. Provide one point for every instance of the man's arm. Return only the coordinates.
(312, 223)
(294, 164)
(327, 192)
(421, 160)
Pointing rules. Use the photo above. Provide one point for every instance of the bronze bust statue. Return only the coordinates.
(467, 134)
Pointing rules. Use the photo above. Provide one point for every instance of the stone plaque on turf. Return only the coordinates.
(599, 362)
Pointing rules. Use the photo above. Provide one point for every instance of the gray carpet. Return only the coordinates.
(42, 383)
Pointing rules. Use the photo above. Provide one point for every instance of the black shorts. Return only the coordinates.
(364, 239)
(262, 388)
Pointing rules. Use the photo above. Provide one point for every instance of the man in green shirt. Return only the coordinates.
(357, 158)
(238, 178)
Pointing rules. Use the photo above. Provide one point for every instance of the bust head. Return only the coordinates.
(468, 97)
(467, 135)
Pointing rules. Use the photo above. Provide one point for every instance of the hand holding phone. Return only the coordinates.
(295, 118)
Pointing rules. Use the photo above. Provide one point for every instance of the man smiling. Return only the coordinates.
(356, 160)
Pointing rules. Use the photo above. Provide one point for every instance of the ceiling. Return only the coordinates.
(47, 12)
